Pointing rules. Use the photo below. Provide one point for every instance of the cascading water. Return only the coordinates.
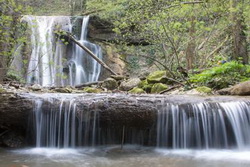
(82, 68)
(51, 63)
(60, 127)
(204, 125)
(207, 125)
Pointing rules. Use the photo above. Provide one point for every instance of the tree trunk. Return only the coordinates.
(238, 34)
(91, 54)
(190, 52)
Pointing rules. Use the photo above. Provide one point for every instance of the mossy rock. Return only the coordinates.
(137, 90)
(2, 90)
(143, 83)
(130, 84)
(110, 84)
(157, 77)
(147, 87)
(159, 87)
(63, 90)
(204, 89)
(92, 90)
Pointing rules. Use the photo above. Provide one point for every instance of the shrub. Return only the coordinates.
(222, 76)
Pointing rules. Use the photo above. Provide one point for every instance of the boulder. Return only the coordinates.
(110, 84)
(130, 84)
(92, 90)
(158, 87)
(157, 77)
(204, 89)
(241, 89)
(36, 87)
(63, 90)
(137, 90)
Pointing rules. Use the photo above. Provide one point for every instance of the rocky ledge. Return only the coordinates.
(116, 109)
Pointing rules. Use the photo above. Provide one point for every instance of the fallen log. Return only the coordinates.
(70, 36)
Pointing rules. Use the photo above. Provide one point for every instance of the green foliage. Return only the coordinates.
(222, 76)
(11, 28)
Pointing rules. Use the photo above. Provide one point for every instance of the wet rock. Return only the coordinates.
(156, 77)
(63, 90)
(241, 89)
(204, 89)
(159, 87)
(12, 140)
(110, 84)
(137, 90)
(36, 87)
(130, 84)
(92, 90)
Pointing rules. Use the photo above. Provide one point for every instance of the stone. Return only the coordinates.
(2, 90)
(241, 89)
(36, 87)
(204, 89)
(137, 90)
(130, 84)
(159, 87)
(147, 87)
(157, 77)
(92, 90)
(143, 83)
(63, 90)
(110, 84)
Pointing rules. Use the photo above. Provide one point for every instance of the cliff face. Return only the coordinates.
(14, 115)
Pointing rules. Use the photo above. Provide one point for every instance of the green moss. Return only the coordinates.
(147, 88)
(2, 90)
(137, 90)
(159, 87)
(110, 84)
(157, 77)
(92, 90)
(143, 83)
(204, 89)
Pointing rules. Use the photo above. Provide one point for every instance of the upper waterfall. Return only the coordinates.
(54, 61)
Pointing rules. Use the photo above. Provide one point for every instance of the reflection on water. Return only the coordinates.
(131, 156)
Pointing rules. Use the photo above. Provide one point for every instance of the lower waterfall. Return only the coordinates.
(204, 125)
(62, 122)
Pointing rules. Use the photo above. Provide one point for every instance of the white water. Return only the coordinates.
(204, 126)
(60, 127)
(50, 56)
(82, 67)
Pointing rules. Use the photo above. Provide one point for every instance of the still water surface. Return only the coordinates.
(131, 156)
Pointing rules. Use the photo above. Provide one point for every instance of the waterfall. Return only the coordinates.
(82, 67)
(74, 120)
(204, 125)
(60, 127)
(52, 62)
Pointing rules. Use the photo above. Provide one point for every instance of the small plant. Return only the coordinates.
(222, 76)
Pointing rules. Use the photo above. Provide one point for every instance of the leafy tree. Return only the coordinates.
(10, 31)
